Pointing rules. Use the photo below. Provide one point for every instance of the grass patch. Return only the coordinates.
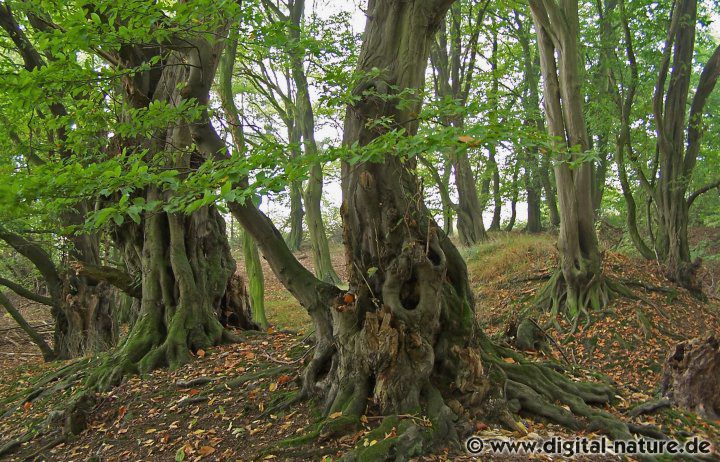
(509, 254)
(284, 312)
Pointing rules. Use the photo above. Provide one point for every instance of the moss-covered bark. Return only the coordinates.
(186, 266)
(256, 280)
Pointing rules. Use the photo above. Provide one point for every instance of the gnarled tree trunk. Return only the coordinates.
(185, 259)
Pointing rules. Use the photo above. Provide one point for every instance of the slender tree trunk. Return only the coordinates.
(253, 267)
(442, 182)
(492, 149)
(305, 118)
(297, 212)
(497, 198)
(470, 226)
(534, 223)
(626, 188)
(599, 172)
(256, 280)
(514, 196)
(453, 83)
(532, 159)
(447, 203)
(316, 228)
(550, 193)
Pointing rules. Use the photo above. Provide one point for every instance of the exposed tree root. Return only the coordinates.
(148, 348)
(54, 382)
(240, 380)
(649, 407)
(578, 303)
(517, 387)
(11, 445)
(73, 418)
(61, 438)
(538, 390)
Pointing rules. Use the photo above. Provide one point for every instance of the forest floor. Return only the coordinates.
(214, 408)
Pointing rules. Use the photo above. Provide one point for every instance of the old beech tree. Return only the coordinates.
(404, 336)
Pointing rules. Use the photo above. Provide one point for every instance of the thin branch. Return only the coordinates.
(700, 191)
(23, 292)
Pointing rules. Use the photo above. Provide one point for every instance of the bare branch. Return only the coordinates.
(23, 292)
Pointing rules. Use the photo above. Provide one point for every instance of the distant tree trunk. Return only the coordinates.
(256, 280)
(599, 174)
(495, 181)
(253, 267)
(580, 284)
(470, 226)
(534, 223)
(514, 191)
(453, 83)
(492, 148)
(531, 158)
(550, 192)
(297, 213)
(305, 119)
(447, 203)
(442, 182)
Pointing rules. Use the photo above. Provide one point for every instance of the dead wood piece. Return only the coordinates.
(691, 377)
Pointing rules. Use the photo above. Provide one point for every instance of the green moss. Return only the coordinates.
(300, 440)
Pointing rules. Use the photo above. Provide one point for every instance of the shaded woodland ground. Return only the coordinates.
(215, 408)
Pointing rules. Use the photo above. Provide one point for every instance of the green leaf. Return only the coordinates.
(180, 454)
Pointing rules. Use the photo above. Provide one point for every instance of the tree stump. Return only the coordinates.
(691, 377)
(235, 309)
